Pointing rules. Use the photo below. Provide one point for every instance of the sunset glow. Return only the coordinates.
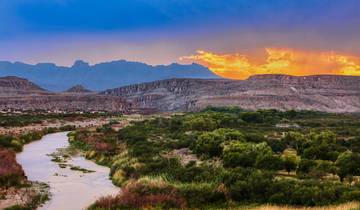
(277, 61)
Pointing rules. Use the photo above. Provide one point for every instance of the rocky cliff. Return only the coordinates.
(322, 92)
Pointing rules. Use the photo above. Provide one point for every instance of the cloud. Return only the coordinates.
(277, 61)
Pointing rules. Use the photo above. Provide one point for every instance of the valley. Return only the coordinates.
(271, 141)
(217, 158)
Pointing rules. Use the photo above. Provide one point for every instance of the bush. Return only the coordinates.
(143, 193)
(243, 154)
(353, 195)
(200, 194)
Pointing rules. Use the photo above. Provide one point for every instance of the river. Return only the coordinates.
(70, 189)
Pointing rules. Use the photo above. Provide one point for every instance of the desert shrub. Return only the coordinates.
(5, 141)
(305, 166)
(208, 144)
(17, 207)
(252, 117)
(277, 145)
(252, 185)
(352, 195)
(269, 162)
(200, 123)
(11, 173)
(200, 194)
(143, 193)
(212, 143)
(244, 154)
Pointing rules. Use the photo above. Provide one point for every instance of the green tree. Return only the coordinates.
(348, 164)
(252, 117)
(200, 123)
(322, 146)
(290, 160)
(269, 161)
(243, 154)
(289, 163)
(209, 143)
(305, 166)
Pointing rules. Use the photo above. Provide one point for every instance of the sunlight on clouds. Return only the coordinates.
(277, 61)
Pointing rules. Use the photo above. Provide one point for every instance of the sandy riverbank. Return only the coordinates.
(54, 124)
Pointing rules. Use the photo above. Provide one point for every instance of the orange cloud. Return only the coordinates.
(278, 61)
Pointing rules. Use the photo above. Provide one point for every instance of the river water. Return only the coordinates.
(70, 189)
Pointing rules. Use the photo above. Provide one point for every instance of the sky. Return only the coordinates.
(234, 38)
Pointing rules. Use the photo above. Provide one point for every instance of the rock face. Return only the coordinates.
(322, 93)
(21, 94)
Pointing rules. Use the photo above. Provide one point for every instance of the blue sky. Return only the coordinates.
(160, 31)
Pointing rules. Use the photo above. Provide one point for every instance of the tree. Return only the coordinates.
(211, 143)
(322, 168)
(243, 154)
(348, 164)
(322, 146)
(269, 161)
(295, 140)
(289, 164)
(200, 123)
(289, 160)
(208, 143)
(252, 117)
(305, 166)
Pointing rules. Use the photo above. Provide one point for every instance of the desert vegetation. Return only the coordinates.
(228, 157)
(23, 119)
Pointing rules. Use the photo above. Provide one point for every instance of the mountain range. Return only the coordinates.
(100, 76)
(327, 93)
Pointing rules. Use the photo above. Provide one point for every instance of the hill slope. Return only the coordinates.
(322, 93)
(21, 94)
(14, 85)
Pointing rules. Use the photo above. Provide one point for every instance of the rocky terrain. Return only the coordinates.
(323, 93)
(21, 94)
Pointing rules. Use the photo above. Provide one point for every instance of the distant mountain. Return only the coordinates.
(78, 89)
(100, 76)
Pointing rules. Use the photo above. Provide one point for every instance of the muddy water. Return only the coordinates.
(70, 189)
